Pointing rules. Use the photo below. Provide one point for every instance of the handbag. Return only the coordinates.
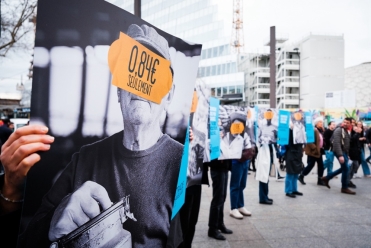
(247, 154)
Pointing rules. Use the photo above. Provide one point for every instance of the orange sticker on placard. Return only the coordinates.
(194, 102)
(268, 115)
(138, 70)
(249, 114)
(298, 116)
(237, 128)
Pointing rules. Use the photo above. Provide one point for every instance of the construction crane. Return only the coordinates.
(237, 42)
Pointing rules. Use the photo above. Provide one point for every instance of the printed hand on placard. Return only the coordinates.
(224, 117)
(78, 208)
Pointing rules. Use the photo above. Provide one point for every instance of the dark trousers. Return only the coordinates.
(263, 191)
(220, 183)
(189, 214)
(311, 161)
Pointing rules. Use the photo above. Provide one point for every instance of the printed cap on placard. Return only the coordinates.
(238, 115)
(149, 36)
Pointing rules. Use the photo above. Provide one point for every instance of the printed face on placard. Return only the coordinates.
(237, 128)
(298, 116)
(138, 70)
(141, 111)
(268, 115)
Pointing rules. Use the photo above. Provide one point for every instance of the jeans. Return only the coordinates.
(352, 169)
(344, 170)
(369, 157)
(189, 214)
(329, 162)
(365, 168)
(291, 183)
(311, 162)
(220, 184)
(238, 183)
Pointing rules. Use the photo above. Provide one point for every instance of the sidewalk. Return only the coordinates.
(321, 218)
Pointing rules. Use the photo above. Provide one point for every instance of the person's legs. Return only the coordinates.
(263, 192)
(289, 183)
(368, 159)
(223, 196)
(295, 182)
(189, 214)
(365, 168)
(235, 183)
(220, 184)
(330, 156)
(217, 201)
(241, 202)
(310, 164)
(344, 167)
(320, 166)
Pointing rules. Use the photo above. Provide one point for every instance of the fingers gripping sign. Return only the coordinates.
(78, 208)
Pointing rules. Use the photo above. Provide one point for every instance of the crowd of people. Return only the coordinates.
(345, 141)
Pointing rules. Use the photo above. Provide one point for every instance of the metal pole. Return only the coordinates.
(272, 62)
(137, 8)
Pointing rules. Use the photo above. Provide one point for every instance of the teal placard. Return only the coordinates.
(283, 127)
(214, 128)
(309, 129)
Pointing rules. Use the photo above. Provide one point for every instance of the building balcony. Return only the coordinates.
(260, 72)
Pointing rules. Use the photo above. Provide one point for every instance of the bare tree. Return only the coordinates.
(17, 24)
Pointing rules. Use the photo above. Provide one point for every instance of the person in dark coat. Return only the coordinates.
(294, 155)
(354, 154)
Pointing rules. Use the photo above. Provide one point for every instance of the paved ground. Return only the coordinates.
(321, 218)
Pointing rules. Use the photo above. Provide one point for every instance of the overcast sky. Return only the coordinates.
(297, 18)
(292, 18)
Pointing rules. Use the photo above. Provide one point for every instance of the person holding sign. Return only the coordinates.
(139, 164)
(234, 141)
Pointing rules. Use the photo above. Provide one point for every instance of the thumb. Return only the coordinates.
(99, 193)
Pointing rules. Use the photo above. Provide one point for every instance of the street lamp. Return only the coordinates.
(297, 51)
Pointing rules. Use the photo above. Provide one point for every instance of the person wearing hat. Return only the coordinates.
(235, 140)
(314, 152)
(239, 176)
(140, 163)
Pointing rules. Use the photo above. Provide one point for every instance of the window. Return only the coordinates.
(208, 53)
(218, 71)
(213, 70)
(228, 69)
(221, 50)
(233, 68)
(203, 54)
(223, 69)
(215, 52)
(225, 90)
(218, 91)
(239, 89)
(201, 71)
(232, 90)
(207, 71)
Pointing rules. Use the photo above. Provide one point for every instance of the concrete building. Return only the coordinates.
(305, 71)
(358, 78)
(257, 76)
(321, 68)
(198, 21)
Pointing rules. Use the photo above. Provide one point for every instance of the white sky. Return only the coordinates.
(297, 18)
(292, 18)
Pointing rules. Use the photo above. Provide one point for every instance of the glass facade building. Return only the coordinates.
(198, 21)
